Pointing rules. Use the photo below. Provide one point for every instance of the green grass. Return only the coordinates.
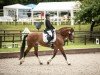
(41, 48)
(81, 46)
(85, 27)
(32, 27)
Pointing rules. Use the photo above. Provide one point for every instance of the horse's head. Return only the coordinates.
(67, 33)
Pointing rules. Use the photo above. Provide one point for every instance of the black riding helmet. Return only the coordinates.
(47, 15)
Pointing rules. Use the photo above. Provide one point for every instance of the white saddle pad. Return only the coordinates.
(50, 33)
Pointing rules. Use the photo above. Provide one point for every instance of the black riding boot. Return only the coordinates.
(49, 42)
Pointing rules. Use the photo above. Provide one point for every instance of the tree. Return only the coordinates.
(8, 2)
(90, 9)
(90, 12)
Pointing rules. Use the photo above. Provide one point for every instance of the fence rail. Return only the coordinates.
(16, 36)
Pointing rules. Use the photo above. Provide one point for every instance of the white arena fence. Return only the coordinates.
(27, 17)
(4, 19)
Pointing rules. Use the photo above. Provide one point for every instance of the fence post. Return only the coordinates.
(13, 38)
(13, 41)
(4, 34)
(93, 39)
(20, 35)
(99, 39)
(85, 39)
(0, 41)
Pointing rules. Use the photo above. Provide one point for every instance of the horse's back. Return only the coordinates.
(34, 36)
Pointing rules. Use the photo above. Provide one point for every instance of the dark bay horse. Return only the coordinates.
(36, 38)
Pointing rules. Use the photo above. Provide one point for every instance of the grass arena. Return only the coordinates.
(81, 64)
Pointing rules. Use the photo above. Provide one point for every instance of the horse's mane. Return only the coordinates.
(63, 30)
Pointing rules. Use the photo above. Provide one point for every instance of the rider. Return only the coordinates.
(50, 27)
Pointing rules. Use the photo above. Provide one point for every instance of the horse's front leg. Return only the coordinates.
(54, 54)
(63, 53)
(36, 53)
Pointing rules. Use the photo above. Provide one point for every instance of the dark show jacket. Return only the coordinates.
(48, 25)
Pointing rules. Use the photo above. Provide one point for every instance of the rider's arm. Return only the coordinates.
(49, 25)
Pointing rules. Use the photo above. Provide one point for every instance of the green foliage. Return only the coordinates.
(90, 9)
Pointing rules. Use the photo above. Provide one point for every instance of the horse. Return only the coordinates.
(36, 38)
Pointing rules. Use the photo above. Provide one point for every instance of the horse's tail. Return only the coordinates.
(23, 46)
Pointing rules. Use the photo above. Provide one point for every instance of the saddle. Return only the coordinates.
(47, 35)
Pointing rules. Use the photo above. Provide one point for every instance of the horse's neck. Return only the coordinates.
(63, 37)
(59, 35)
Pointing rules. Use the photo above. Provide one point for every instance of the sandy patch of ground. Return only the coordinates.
(82, 64)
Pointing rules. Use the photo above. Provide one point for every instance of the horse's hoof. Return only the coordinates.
(69, 63)
(20, 63)
(48, 63)
(41, 63)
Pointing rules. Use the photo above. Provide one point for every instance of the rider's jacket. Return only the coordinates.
(48, 25)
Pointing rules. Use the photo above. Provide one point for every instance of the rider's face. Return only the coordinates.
(48, 17)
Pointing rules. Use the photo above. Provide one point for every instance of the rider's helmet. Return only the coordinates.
(47, 15)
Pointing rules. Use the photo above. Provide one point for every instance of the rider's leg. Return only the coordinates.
(50, 37)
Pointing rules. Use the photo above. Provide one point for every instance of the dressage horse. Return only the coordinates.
(36, 38)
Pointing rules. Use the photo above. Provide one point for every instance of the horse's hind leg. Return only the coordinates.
(54, 54)
(63, 53)
(36, 53)
(27, 50)
(25, 53)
